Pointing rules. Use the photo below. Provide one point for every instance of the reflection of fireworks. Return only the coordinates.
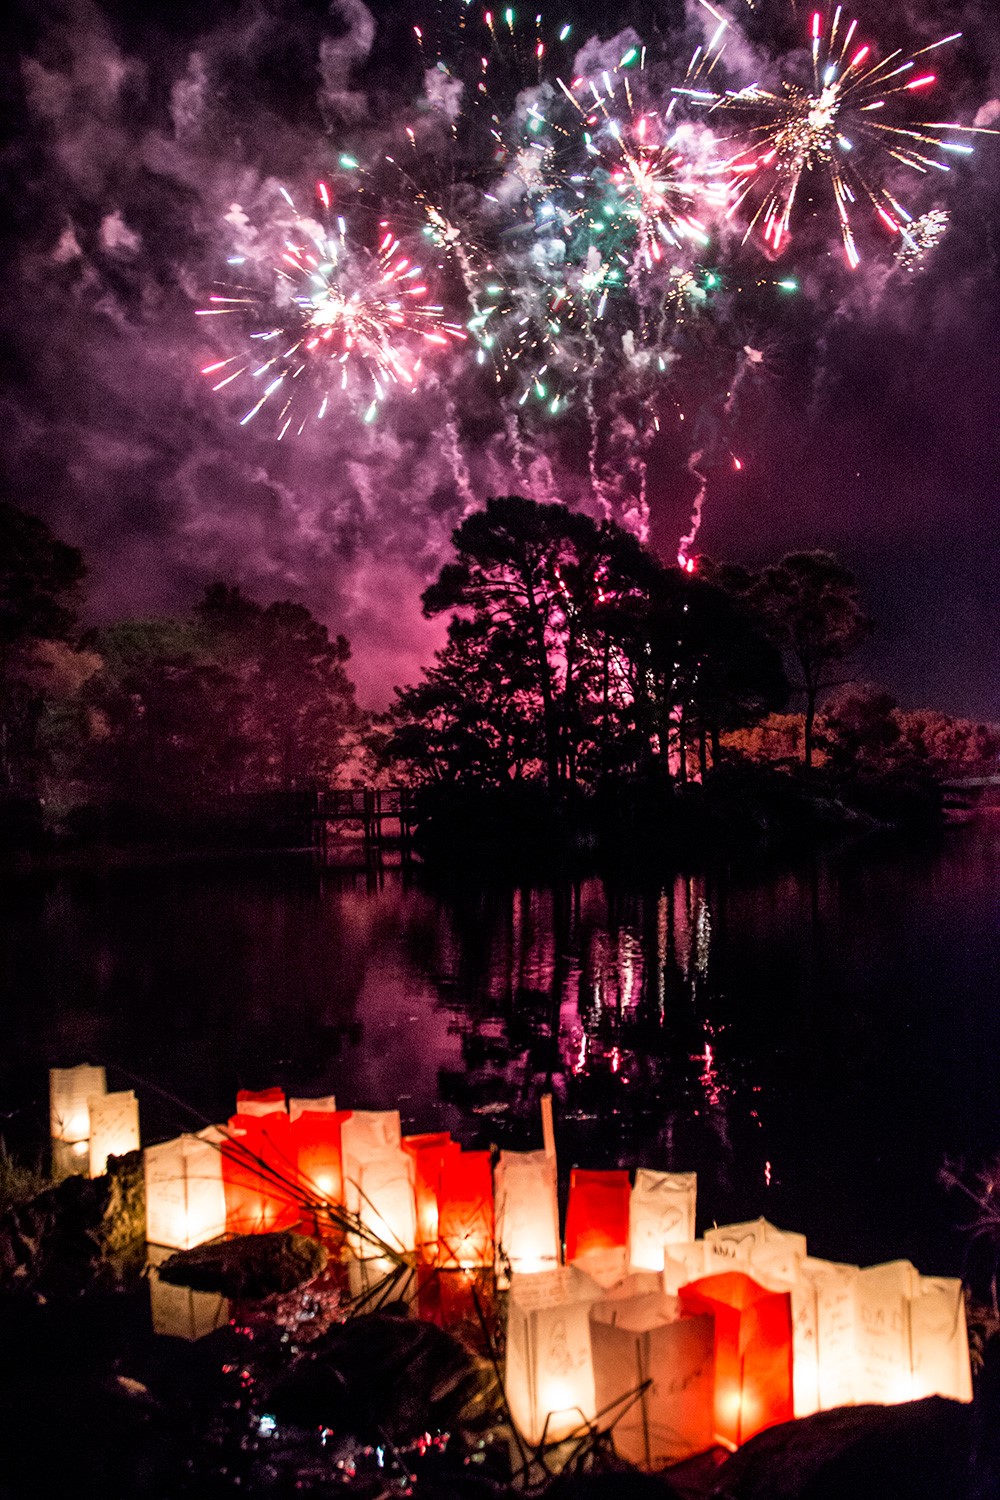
(920, 237)
(341, 323)
(825, 126)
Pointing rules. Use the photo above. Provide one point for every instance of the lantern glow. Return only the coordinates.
(114, 1128)
(527, 1212)
(661, 1212)
(597, 1216)
(465, 1226)
(753, 1353)
(69, 1091)
(549, 1376)
(185, 1196)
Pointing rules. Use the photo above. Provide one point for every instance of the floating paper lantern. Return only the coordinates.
(179, 1312)
(661, 1212)
(257, 1175)
(427, 1153)
(640, 1339)
(757, 1244)
(69, 1112)
(549, 1375)
(185, 1197)
(380, 1195)
(114, 1128)
(753, 1352)
(465, 1225)
(314, 1137)
(597, 1213)
(527, 1212)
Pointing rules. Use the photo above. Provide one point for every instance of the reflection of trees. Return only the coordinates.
(605, 999)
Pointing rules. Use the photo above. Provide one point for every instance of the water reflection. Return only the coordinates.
(812, 1041)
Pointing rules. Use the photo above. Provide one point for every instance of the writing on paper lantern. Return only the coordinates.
(661, 1212)
(185, 1197)
(549, 1376)
(757, 1244)
(316, 1152)
(380, 1195)
(258, 1176)
(753, 1353)
(643, 1339)
(597, 1213)
(527, 1212)
(69, 1111)
(427, 1153)
(939, 1339)
(114, 1128)
(911, 1335)
(465, 1225)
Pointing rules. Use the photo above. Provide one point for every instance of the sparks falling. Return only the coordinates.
(849, 123)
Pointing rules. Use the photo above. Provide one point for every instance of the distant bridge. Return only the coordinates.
(382, 817)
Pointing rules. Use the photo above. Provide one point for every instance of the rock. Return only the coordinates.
(254, 1266)
(916, 1451)
(77, 1235)
(381, 1375)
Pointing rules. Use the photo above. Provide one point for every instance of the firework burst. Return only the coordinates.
(848, 123)
(337, 323)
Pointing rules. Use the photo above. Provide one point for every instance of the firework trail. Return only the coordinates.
(512, 430)
(684, 560)
(456, 459)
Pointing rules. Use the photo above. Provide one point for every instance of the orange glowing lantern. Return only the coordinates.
(549, 1375)
(185, 1196)
(316, 1153)
(753, 1353)
(258, 1176)
(527, 1211)
(69, 1115)
(597, 1213)
(427, 1153)
(465, 1225)
(640, 1339)
(661, 1212)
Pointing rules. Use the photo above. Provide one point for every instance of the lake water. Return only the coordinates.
(813, 1041)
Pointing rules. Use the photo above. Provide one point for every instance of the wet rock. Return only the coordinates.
(75, 1236)
(384, 1376)
(917, 1451)
(254, 1266)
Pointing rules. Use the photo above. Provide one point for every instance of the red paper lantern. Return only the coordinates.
(263, 1102)
(465, 1224)
(258, 1175)
(753, 1353)
(428, 1153)
(597, 1214)
(314, 1137)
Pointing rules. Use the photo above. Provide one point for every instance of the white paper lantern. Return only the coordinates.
(381, 1195)
(756, 1244)
(824, 1317)
(178, 1311)
(527, 1212)
(326, 1104)
(639, 1339)
(939, 1340)
(365, 1135)
(687, 1262)
(661, 1212)
(114, 1128)
(549, 1377)
(69, 1090)
(185, 1197)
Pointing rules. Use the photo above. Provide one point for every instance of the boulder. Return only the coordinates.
(917, 1451)
(382, 1375)
(254, 1266)
(76, 1236)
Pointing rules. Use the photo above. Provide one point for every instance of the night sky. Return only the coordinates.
(869, 426)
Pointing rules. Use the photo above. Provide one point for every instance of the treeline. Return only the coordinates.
(581, 681)
(151, 725)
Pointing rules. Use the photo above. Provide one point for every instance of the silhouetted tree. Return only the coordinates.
(811, 608)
